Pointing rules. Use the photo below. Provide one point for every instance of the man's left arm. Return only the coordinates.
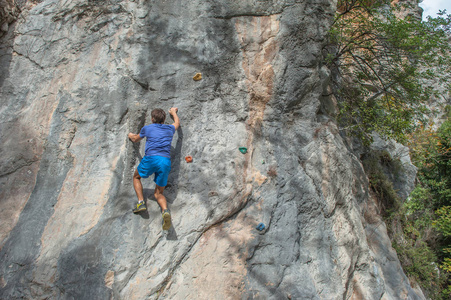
(134, 137)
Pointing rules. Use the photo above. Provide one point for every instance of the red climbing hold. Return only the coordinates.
(188, 158)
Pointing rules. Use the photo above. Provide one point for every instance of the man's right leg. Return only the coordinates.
(141, 205)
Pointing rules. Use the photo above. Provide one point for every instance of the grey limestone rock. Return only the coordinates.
(403, 181)
(77, 76)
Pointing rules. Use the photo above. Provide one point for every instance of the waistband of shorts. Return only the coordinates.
(158, 157)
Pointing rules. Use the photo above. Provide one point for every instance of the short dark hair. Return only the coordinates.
(158, 115)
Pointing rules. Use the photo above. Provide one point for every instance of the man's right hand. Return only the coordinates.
(173, 113)
(173, 110)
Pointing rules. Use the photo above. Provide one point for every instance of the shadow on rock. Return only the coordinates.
(172, 234)
(176, 157)
(144, 215)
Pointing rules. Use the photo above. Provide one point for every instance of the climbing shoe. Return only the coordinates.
(166, 219)
(139, 207)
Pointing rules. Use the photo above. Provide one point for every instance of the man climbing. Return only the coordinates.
(157, 159)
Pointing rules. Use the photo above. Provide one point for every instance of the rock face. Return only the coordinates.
(404, 182)
(77, 76)
(9, 11)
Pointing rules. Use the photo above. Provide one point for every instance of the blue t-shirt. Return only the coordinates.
(158, 139)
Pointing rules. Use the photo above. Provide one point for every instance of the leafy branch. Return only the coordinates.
(385, 66)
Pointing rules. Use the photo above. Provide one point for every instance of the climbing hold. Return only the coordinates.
(188, 158)
(243, 150)
(212, 194)
(197, 77)
(263, 162)
(260, 227)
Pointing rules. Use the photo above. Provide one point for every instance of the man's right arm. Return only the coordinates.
(173, 113)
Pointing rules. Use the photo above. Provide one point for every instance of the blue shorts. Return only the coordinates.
(159, 165)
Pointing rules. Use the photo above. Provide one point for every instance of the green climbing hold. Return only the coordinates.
(243, 150)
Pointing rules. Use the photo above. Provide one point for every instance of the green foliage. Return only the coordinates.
(447, 263)
(418, 260)
(416, 245)
(376, 165)
(443, 224)
(426, 215)
(432, 156)
(384, 64)
(443, 221)
(416, 201)
(384, 69)
(414, 217)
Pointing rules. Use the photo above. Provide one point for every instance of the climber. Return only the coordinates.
(157, 159)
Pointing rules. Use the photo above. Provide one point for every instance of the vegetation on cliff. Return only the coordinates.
(387, 65)
(425, 243)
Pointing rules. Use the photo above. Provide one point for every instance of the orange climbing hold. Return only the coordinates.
(188, 158)
(197, 77)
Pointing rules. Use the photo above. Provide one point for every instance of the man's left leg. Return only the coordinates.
(161, 199)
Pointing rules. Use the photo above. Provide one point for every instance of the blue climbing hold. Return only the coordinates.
(260, 227)
(243, 150)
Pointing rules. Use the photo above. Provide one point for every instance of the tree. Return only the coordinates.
(384, 66)
(385, 69)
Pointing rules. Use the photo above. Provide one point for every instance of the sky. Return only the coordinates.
(431, 7)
